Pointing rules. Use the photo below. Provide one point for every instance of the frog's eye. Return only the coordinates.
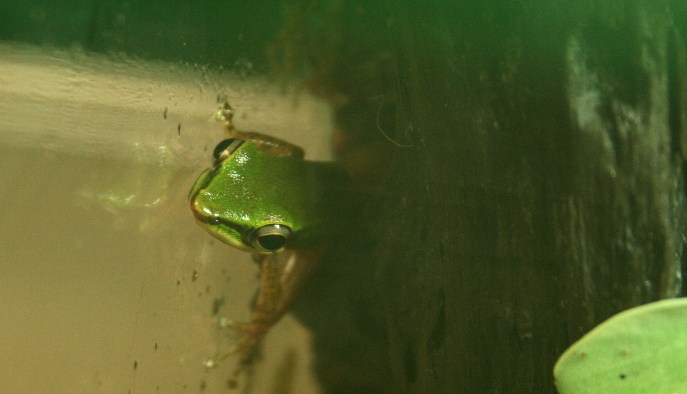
(270, 238)
(225, 148)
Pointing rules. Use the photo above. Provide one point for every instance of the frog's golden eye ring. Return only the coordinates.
(270, 238)
(225, 148)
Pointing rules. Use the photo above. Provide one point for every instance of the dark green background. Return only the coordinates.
(205, 32)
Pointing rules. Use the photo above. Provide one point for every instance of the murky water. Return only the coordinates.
(107, 283)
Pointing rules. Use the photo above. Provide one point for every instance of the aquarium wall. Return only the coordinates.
(107, 117)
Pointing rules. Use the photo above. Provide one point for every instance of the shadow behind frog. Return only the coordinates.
(340, 304)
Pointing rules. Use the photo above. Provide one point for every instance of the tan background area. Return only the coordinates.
(107, 283)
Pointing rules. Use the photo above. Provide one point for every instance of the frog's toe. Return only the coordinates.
(224, 322)
(243, 364)
(246, 348)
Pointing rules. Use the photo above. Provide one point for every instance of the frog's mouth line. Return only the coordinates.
(214, 225)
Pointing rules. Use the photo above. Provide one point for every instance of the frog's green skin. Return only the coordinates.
(251, 189)
(262, 197)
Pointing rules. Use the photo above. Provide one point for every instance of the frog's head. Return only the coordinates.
(250, 199)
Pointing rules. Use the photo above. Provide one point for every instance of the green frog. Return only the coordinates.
(261, 196)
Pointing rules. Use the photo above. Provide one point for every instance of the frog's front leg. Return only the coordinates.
(271, 145)
(282, 276)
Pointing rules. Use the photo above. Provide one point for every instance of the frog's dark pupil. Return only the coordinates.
(272, 242)
(221, 147)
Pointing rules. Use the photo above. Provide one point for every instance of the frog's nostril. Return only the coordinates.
(201, 183)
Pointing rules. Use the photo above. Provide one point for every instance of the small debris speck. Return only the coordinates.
(135, 365)
(216, 304)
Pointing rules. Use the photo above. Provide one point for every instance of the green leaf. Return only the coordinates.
(641, 350)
